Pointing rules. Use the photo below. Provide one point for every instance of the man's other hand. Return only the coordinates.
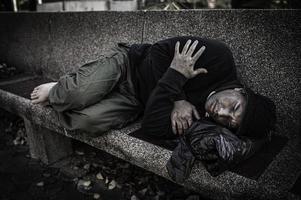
(182, 116)
(184, 62)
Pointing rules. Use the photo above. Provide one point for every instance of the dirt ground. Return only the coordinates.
(87, 174)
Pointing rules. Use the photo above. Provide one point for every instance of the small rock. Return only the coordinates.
(96, 196)
(16, 142)
(143, 191)
(86, 183)
(112, 185)
(84, 186)
(134, 197)
(95, 165)
(87, 166)
(107, 180)
(80, 153)
(99, 176)
(40, 184)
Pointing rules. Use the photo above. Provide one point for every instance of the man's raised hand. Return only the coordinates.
(184, 62)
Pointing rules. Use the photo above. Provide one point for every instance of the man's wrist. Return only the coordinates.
(181, 71)
(172, 76)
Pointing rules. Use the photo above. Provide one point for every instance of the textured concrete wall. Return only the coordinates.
(56, 43)
(265, 43)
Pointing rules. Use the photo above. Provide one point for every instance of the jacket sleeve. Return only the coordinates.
(161, 57)
(156, 121)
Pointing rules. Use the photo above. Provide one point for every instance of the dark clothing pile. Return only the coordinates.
(215, 146)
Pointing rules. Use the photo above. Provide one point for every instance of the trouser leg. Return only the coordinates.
(98, 97)
(113, 112)
(89, 84)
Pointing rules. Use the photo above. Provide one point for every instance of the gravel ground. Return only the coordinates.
(87, 174)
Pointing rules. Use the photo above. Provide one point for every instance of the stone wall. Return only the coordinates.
(265, 44)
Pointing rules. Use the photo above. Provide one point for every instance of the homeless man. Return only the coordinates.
(171, 83)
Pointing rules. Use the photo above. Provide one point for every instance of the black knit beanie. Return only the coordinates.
(259, 117)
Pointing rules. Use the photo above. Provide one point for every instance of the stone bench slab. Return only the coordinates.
(154, 158)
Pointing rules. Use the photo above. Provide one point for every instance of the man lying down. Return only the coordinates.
(184, 87)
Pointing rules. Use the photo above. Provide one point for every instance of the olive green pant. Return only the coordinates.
(98, 97)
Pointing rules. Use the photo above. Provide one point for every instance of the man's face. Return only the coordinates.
(226, 107)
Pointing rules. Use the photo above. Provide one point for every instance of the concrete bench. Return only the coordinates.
(266, 47)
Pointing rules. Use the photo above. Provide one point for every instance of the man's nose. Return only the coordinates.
(223, 112)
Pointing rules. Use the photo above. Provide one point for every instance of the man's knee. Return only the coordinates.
(91, 125)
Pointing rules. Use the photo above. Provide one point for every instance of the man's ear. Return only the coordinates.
(212, 93)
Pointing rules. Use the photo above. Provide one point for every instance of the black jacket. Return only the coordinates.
(158, 86)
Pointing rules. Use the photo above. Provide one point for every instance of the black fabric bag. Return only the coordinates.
(215, 146)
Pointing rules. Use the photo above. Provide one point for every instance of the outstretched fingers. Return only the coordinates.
(185, 49)
(177, 48)
(184, 62)
(192, 48)
(198, 54)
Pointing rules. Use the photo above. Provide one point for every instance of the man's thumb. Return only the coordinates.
(200, 71)
(196, 113)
